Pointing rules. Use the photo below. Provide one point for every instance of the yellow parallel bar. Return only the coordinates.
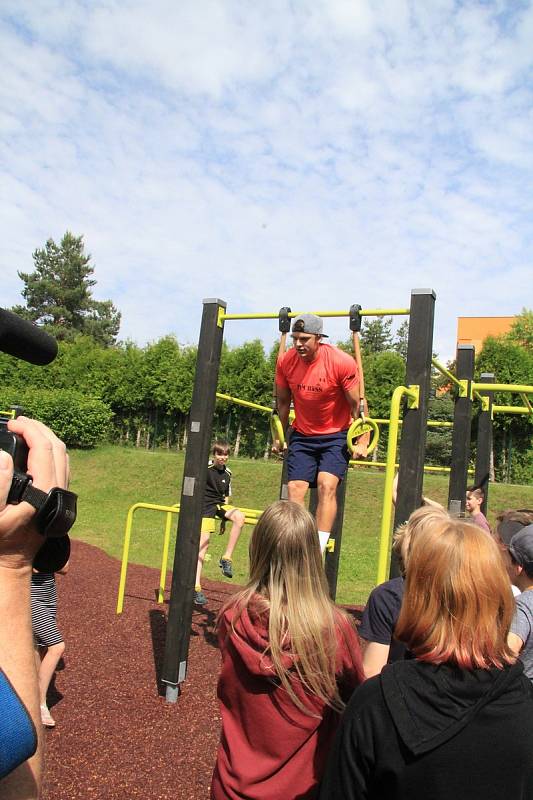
(392, 445)
(445, 371)
(126, 548)
(511, 410)
(430, 424)
(427, 467)
(366, 312)
(246, 403)
(164, 560)
(503, 387)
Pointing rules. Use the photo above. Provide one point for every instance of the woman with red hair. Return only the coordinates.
(456, 721)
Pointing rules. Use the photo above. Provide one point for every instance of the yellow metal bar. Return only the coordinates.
(445, 372)
(246, 403)
(386, 517)
(511, 410)
(525, 400)
(366, 312)
(164, 559)
(126, 547)
(431, 424)
(503, 387)
(124, 565)
(427, 467)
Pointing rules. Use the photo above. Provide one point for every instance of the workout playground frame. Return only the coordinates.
(411, 399)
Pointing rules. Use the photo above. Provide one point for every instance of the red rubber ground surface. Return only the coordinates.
(116, 736)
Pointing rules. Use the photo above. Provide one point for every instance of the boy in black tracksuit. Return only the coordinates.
(217, 493)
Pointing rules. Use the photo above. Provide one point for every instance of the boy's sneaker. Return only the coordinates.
(226, 567)
(199, 598)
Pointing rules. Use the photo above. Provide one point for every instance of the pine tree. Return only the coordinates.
(58, 293)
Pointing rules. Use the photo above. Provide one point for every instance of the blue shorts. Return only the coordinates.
(309, 455)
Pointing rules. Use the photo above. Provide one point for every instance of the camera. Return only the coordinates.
(15, 445)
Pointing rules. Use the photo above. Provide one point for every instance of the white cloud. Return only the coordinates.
(312, 154)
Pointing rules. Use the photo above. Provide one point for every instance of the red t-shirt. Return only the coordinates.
(318, 388)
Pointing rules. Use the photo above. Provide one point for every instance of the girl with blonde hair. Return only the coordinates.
(456, 721)
(290, 661)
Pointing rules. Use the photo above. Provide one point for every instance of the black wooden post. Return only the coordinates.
(462, 420)
(413, 441)
(484, 441)
(192, 493)
(331, 561)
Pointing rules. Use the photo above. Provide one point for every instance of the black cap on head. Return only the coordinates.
(521, 547)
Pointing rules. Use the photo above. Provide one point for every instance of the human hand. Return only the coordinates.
(278, 448)
(48, 465)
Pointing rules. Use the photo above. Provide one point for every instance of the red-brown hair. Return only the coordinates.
(458, 605)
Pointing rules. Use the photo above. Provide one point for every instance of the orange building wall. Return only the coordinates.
(474, 330)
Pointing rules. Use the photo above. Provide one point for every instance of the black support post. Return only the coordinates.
(194, 478)
(413, 441)
(462, 420)
(332, 559)
(484, 441)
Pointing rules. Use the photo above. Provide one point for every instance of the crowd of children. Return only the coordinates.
(433, 697)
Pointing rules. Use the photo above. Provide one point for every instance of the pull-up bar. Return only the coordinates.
(365, 312)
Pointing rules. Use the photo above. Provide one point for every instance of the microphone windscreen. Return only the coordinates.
(23, 339)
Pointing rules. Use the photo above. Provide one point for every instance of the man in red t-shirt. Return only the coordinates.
(323, 383)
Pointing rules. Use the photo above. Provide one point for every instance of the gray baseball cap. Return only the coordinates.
(308, 323)
(521, 547)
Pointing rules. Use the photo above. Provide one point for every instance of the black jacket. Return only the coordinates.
(424, 732)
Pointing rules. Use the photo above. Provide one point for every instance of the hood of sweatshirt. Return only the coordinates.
(431, 703)
(250, 640)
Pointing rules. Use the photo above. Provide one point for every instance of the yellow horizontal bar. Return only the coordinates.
(503, 387)
(365, 312)
(430, 423)
(511, 410)
(246, 403)
(427, 468)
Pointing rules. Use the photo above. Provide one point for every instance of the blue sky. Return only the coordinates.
(311, 154)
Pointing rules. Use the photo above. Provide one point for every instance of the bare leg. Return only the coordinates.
(327, 500)
(47, 668)
(204, 544)
(237, 522)
(297, 491)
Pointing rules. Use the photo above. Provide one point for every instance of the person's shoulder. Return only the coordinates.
(368, 694)
(525, 600)
(392, 589)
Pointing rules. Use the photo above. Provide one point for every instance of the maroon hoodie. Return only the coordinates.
(269, 748)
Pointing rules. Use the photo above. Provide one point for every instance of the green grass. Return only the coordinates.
(110, 479)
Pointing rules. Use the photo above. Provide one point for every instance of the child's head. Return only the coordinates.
(521, 550)
(220, 452)
(285, 558)
(457, 606)
(474, 499)
(418, 521)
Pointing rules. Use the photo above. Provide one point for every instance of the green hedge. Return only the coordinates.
(78, 419)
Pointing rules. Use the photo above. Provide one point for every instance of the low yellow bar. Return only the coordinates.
(503, 387)
(365, 312)
(126, 548)
(435, 424)
(511, 410)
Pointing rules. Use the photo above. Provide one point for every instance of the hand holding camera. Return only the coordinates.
(34, 505)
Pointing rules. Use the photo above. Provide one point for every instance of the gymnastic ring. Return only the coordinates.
(358, 428)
